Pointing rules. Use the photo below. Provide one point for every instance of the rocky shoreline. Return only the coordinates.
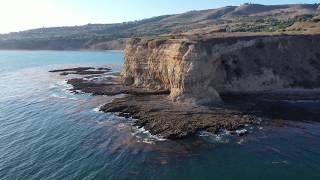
(157, 113)
(152, 109)
(170, 120)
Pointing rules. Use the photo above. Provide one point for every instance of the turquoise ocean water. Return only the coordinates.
(48, 133)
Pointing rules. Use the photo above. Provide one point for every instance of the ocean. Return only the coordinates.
(46, 132)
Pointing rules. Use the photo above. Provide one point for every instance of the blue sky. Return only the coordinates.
(16, 15)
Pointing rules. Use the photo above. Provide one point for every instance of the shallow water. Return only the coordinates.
(48, 133)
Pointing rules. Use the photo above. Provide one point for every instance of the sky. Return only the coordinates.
(18, 15)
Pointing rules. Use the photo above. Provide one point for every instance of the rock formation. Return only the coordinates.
(251, 74)
(198, 70)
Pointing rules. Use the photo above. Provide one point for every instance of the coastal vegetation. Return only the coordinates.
(248, 18)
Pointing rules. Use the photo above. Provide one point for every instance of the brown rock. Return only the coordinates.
(172, 120)
(198, 70)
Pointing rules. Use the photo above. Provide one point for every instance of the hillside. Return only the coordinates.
(244, 18)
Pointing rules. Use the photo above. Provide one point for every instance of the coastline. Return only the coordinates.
(160, 116)
(152, 110)
(63, 127)
(203, 90)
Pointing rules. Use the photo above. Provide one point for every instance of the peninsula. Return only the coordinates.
(179, 84)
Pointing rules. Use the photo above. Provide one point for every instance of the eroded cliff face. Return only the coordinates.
(198, 70)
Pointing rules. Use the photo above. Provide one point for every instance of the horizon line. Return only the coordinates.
(98, 23)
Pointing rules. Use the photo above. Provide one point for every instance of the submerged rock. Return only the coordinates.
(82, 71)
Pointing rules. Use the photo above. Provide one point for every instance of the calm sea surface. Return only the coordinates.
(48, 133)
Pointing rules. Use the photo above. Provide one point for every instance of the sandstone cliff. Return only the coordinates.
(198, 70)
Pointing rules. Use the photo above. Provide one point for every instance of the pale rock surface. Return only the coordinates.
(198, 70)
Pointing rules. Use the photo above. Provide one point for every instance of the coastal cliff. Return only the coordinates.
(199, 70)
(255, 76)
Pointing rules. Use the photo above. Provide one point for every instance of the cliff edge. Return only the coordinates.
(198, 70)
(257, 77)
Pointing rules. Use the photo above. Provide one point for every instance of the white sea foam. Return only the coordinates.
(147, 141)
(57, 96)
(241, 132)
(204, 134)
(145, 136)
(62, 90)
(63, 97)
(97, 109)
(222, 137)
(63, 85)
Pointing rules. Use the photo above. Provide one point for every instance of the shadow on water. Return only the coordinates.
(296, 106)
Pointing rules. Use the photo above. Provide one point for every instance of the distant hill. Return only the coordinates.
(244, 18)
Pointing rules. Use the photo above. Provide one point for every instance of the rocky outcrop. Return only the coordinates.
(251, 74)
(152, 109)
(198, 70)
